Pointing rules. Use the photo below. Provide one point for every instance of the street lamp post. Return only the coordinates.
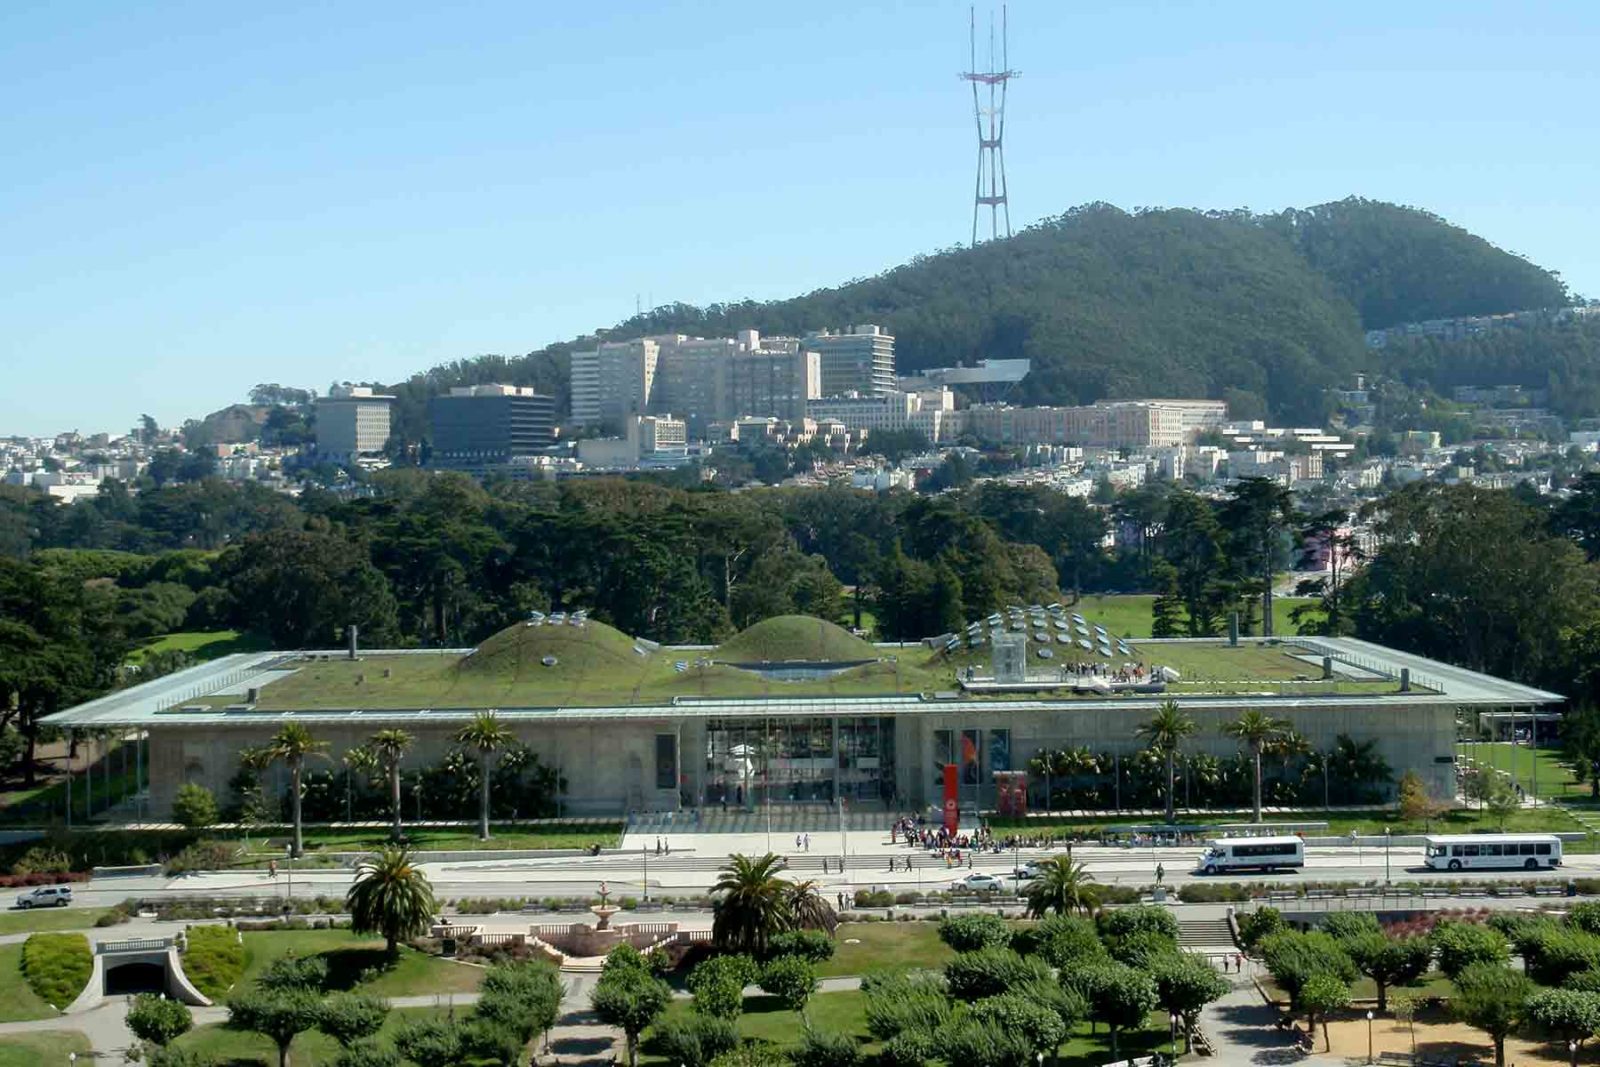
(644, 850)
(288, 902)
(1369, 1036)
(1386, 839)
(1173, 1021)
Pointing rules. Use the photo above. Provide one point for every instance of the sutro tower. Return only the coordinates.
(991, 122)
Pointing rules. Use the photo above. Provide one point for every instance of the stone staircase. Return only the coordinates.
(785, 818)
(1205, 935)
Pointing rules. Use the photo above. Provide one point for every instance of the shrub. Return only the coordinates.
(42, 859)
(990, 972)
(1459, 945)
(718, 985)
(1350, 925)
(752, 1054)
(214, 959)
(791, 979)
(158, 1020)
(813, 945)
(1213, 893)
(909, 1048)
(824, 1048)
(1119, 923)
(970, 932)
(367, 1054)
(430, 1042)
(975, 1042)
(348, 1017)
(696, 1040)
(194, 806)
(203, 856)
(487, 1041)
(288, 973)
(897, 1003)
(57, 966)
(1295, 958)
(1260, 924)
(524, 997)
(1020, 1013)
(1061, 940)
(180, 1057)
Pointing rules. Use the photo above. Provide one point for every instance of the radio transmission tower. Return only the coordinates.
(990, 119)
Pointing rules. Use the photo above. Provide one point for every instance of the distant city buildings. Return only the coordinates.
(857, 359)
(352, 422)
(614, 379)
(1108, 424)
(476, 427)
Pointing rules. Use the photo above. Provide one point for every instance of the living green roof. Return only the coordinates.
(541, 668)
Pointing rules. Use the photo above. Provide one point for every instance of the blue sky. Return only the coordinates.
(201, 196)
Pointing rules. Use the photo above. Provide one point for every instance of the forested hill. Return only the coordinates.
(1262, 310)
(1399, 264)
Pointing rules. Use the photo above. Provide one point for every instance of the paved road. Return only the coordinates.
(691, 873)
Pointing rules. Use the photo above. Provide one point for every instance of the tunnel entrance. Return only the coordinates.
(126, 979)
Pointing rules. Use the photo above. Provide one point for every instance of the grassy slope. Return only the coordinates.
(1130, 615)
(348, 956)
(203, 644)
(795, 637)
(1555, 776)
(43, 1048)
(18, 1002)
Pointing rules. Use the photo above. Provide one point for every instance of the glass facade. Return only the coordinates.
(809, 760)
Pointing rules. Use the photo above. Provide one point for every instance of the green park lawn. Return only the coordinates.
(444, 839)
(18, 1001)
(1131, 615)
(42, 1048)
(45, 921)
(885, 946)
(348, 956)
(219, 1043)
(1555, 778)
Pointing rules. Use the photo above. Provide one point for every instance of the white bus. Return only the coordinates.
(1253, 853)
(1470, 852)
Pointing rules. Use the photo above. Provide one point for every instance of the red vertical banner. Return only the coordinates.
(952, 810)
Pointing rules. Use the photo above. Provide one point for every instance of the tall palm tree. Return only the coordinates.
(292, 745)
(1256, 730)
(488, 735)
(1165, 731)
(1062, 887)
(358, 760)
(751, 904)
(390, 896)
(809, 909)
(390, 747)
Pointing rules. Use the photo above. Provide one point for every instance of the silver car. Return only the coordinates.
(46, 896)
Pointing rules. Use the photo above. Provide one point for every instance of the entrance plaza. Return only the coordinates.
(795, 714)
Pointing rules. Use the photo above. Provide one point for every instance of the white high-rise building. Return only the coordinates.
(614, 380)
(352, 421)
(857, 359)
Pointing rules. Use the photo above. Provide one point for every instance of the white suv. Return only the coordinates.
(46, 896)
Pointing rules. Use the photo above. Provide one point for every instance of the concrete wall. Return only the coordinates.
(610, 766)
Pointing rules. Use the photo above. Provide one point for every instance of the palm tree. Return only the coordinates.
(488, 735)
(1062, 887)
(390, 747)
(390, 896)
(1165, 731)
(1256, 730)
(291, 745)
(809, 909)
(358, 760)
(752, 904)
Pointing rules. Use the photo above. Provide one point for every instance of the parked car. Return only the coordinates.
(46, 896)
(979, 883)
